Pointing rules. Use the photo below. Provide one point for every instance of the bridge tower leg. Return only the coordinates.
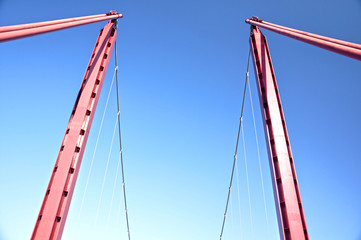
(291, 219)
(54, 209)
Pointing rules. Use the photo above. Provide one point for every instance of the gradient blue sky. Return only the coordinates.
(182, 66)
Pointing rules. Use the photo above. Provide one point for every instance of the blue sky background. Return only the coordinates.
(182, 66)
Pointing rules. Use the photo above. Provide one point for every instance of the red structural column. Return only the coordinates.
(291, 218)
(54, 209)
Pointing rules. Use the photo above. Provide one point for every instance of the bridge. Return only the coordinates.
(285, 230)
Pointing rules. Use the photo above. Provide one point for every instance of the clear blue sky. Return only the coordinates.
(182, 66)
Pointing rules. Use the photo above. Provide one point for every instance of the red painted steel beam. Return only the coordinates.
(348, 49)
(54, 209)
(291, 218)
(47, 23)
(9, 33)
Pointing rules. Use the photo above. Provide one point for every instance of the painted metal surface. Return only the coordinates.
(348, 49)
(292, 224)
(54, 209)
(9, 33)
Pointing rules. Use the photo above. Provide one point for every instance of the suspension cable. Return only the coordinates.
(120, 136)
(236, 150)
(259, 158)
(105, 174)
(113, 193)
(119, 207)
(249, 194)
(239, 204)
(232, 215)
(95, 149)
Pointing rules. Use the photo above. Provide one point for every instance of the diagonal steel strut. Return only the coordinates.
(291, 219)
(54, 209)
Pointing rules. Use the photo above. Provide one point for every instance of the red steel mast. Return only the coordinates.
(56, 203)
(54, 209)
(291, 218)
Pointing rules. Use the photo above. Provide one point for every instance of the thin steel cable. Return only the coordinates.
(249, 194)
(95, 148)
(239, 203)
(119, 208)
(259, 158)
(105, 174)
(113, 193)
(120, 138)
(236, 150)
(232, 215)
(118, 214)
